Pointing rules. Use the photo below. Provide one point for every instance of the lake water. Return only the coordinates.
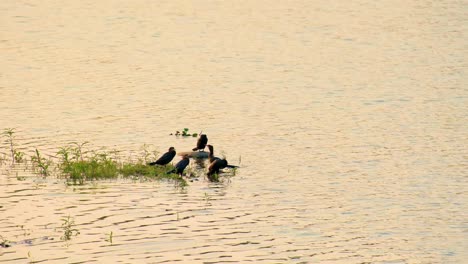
(349, 120)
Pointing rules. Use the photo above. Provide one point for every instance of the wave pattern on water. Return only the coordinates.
(348, 119)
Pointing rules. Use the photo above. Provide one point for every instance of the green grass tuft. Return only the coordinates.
(101, 167)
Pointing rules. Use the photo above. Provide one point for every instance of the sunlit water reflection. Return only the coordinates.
(349, 121)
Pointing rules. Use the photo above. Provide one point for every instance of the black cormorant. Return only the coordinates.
(201, 143)
(212, 158)
(181, 165)
(215, 166)
(166, 158)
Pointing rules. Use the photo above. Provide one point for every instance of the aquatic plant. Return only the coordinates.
(214, 177)
(78, 150)
(41, 163)
(2, 158)
(9, 132)
(68, 228)
(5, 243)
(140, 169)
(78, 169)
(146, 154)
(30, 257)
(64, 154)
(16, 155)
(25, 231)
(109, 237)
(78, 165)
(179, 182)
(20, 178)
(207, 199)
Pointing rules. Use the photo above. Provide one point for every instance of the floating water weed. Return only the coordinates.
(68, 230)
(185, 133)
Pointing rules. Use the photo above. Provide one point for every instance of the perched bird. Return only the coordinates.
(165, 158)
(214, 168)
(181, 165)
(212, 158)
(201, 143)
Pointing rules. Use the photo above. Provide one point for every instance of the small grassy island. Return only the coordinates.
(77, 165)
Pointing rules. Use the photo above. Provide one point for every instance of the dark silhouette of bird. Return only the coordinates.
(201, 143)
(181, 165)
(212, 158)
(214, 168)
(165, 158)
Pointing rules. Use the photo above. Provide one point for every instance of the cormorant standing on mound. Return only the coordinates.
(181, 165)
(215, 166)
(201, 143)
(166, 158)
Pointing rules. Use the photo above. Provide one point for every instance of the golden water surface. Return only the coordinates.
(349, 120)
